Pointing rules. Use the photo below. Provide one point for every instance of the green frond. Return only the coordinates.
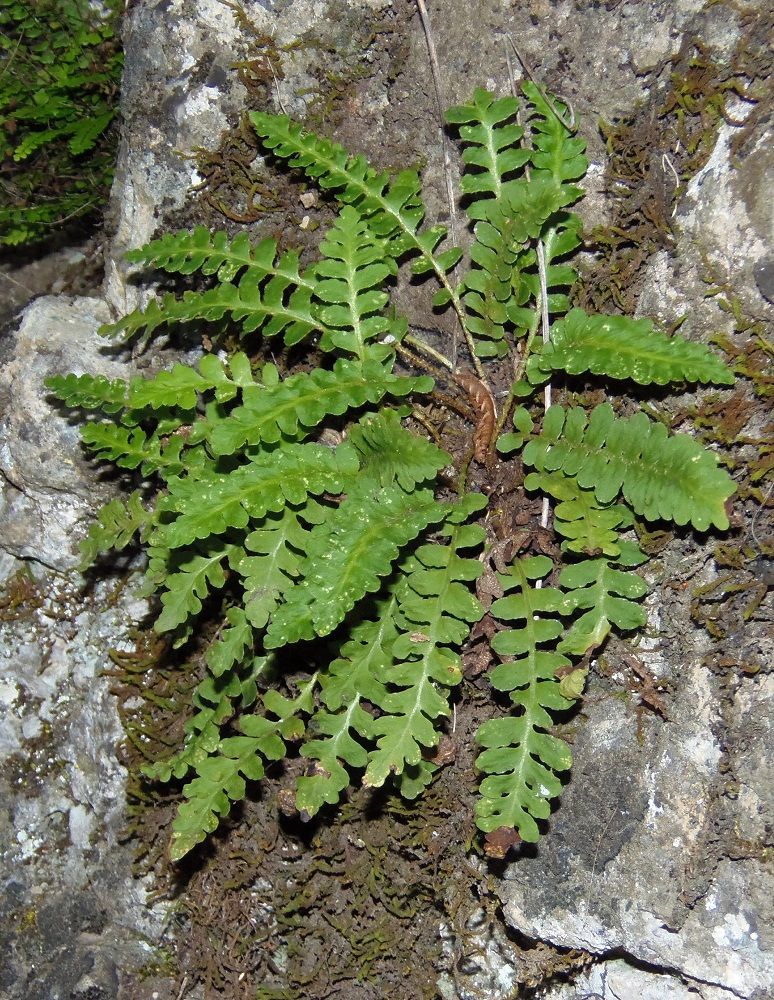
(216, 700)
(436, 612)
(212, 502)
(389, 453)
(89, 392)
(273, 300)
(660, 475)
(557, 151)
(625, 348)
(300, 402)
(348, 555)
(207, 252)
(86, 132)
(511, 208)
(341, 726)
(198, 572)
(354, 268)
(491, 136)
(116, 525)
(587, 526)
(132, 448)
(220, 780)
(272, 557)
(560, 237)
(392, 206)
(520, 760)
(608, 593)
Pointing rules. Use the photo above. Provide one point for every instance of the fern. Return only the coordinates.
(521, 760)
(662, 477)
(622, 348)
(311, 518)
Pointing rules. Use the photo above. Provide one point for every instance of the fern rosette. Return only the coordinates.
(334, 549)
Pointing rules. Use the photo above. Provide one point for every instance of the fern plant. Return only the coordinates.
(340, 547)
(60, 67)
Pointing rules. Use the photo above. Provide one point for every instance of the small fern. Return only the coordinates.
(312, 516)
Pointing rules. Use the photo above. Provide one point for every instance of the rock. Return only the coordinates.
(49, 491)
(73, 919)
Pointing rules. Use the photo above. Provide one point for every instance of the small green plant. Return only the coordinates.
(339, 547)
(60, 67)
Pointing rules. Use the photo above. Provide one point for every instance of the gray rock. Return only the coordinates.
(73, 920)
(48, 490)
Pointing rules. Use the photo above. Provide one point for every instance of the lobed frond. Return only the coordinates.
(116, 525)
(435, 613)
(348, 555)
(660, 475)
(608, 593)
(521, 761)
(392, 206)
(276, 298)
(625, 348)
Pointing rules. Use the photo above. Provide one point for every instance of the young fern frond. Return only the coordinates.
(342, 728)
(116, 526)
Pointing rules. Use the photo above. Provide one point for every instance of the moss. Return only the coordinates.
(655, 151)
(20, 596)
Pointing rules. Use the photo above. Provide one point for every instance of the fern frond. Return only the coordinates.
(273, 557)
(348, 555)
(660, 475)
(198, 573)
(208, 252)
(557, 151)
(587, 526)
(302, 401)
(212, 502)
(392, 207)
(521, 761)
(354, 267)
(132, 448)
(274, 302)
(390, 453)
(116, 525)
(625, 348)
(608, 593)
(436, 611)
(342, 726)
(488, 130)
(220, 780)
(89, 392)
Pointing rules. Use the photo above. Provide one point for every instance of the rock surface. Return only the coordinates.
(48, 491)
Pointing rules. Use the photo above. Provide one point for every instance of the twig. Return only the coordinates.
(546, 325)
(435, 72)
(276, 85)
(431, 352)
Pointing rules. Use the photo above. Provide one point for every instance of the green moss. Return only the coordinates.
(58, 95)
